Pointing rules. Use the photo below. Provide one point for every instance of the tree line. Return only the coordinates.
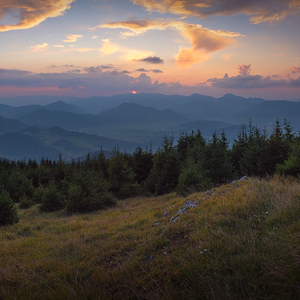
(190, 164)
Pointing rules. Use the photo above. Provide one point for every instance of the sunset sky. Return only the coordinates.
(105, 47)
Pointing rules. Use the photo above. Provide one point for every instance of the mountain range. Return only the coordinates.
(81, 126)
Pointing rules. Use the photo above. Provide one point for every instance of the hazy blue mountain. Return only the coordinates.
(135, 113)
(265, 114)
(10, 125)
(75, 144)
(45, 119)
(208, 108)
(96, 105)
(207, 128)
(35, 99)
(19, 146)
(203, 125)
(62, 106)
(195, 106)
(17, 112)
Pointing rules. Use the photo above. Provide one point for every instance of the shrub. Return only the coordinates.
(88, 193)
(8, 210)
(192, 179)
(52, 200)
(25, 202)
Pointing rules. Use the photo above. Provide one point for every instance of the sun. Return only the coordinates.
(133, 92)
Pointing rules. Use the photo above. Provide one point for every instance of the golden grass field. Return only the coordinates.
(241, 241)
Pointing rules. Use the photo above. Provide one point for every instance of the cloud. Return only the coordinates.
(132, 55)
(97, 69)
(142, 70)
(136, 27)
(125, 72)
(203, 40)
(157, 71)
(83, 49)
(109, 66)
(39, 47)
(31, 13)
(295, 83)
(74, 71)
(92, 82)
(71, 38)
(146, 71)
(244, 70)
(109, 48)
(247, 82)
(78, 82)
(13, 73)
(58, 46)
(152, 60)
(295, 70)
(259, 11)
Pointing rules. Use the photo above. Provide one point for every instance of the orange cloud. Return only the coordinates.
(203, 40)
(295, 70)
(260, 11)
(39, 47)
(136, 27)
(71, 38)
(244, 70)
(109, 48)
(32, 12)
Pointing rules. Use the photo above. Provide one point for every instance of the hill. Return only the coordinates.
(19, 146)
(207, 128)
(9, 125)
(36, 143)
(268, 111)
(195, 106)
(45, 119)
(238, 241)
(20, 111)
(204, 107)
(62, 106)
(35, 100)
(135, 113)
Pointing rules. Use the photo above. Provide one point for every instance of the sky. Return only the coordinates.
(88, 48)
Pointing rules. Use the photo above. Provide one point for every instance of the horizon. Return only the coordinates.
(98, 48)
(16, 101)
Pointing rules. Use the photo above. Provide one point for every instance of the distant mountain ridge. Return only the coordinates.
(43, 118)
(195, 106)
(37, 143)
(76, 128)
(20, 111)
(10, 125)
(136, 113)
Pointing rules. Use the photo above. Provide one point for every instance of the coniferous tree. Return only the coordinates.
(121, 176)
(164, 175)
(8, 210)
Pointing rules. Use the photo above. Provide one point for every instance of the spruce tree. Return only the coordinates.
(8, 210)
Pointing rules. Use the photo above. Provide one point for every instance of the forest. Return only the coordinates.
(190, 164)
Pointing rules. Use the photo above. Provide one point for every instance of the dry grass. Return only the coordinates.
(240, 242)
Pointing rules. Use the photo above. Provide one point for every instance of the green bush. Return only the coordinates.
(192, 179)
(25, 202)
(8, 210)
(88, 193)
(291, 166)
(52, 200)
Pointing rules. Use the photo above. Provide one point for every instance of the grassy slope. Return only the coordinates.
(241, 242)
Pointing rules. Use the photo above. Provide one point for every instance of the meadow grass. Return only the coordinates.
(241, 241)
